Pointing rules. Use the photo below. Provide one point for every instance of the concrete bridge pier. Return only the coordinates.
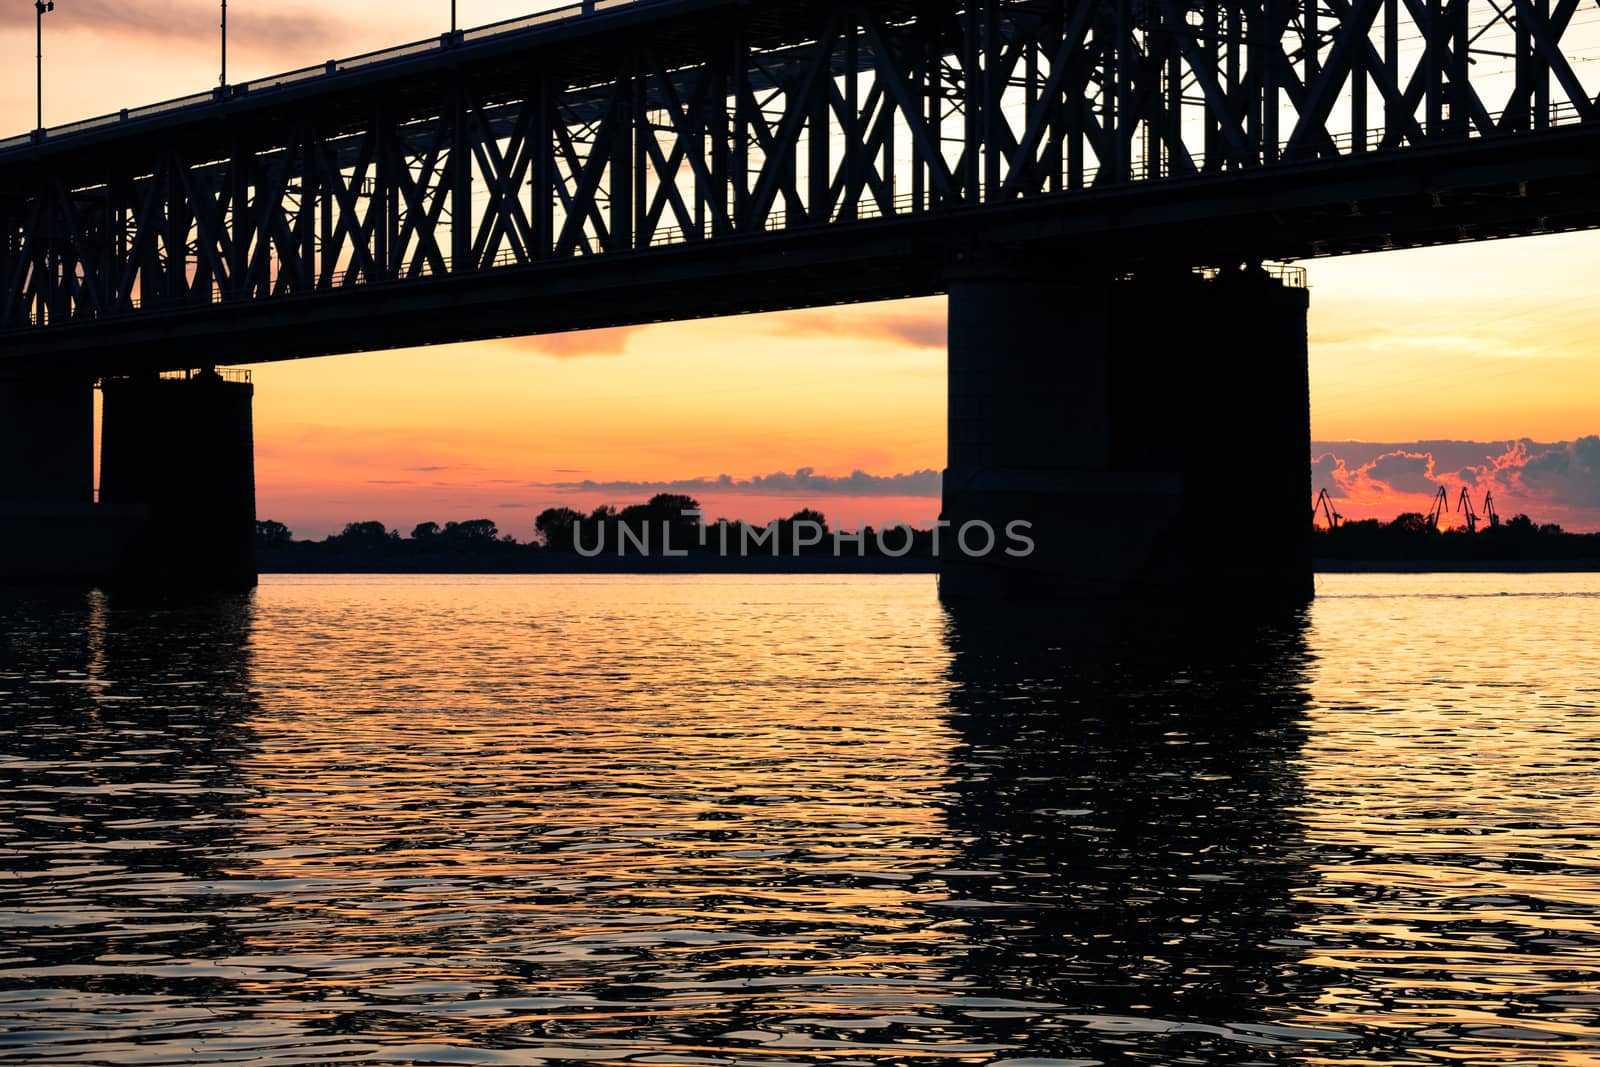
(48, 531)
(1154, 430)
(182, 451)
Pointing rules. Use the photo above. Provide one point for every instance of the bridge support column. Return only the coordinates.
(183, 450)
(1155, 432)
(47, 517)
(47, 441)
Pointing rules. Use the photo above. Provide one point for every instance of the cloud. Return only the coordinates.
(1569, 473)
(612, 342)
(286, 27)
(1406, 472)
(802, 482)
(914, 328)
(1329, 472)
(921, 328)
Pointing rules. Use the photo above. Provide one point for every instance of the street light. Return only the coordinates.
(40, 7)
(224, 44)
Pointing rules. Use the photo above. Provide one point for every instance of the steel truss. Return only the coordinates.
(701, 123)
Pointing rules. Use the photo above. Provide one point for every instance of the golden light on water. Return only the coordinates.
(810, 819)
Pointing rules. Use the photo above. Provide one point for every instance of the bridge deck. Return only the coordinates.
(660, 159)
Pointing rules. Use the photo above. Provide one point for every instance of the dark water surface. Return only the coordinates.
(804, 821)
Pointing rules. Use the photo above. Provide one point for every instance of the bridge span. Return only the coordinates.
(1058, 167)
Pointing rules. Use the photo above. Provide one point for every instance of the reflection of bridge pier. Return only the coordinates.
(136, 767)
(1077, 405)
(1125, 791)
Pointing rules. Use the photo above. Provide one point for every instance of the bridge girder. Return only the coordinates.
(812, 132)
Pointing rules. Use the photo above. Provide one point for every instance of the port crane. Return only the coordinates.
(1330, 515)
(1488, 509)
(1441, 505)
(1464, 506)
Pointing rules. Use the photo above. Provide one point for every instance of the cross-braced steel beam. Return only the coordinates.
(703, 123)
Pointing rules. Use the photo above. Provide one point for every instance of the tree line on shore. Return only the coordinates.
(669, 526)
(1412, 536)
(665, 527)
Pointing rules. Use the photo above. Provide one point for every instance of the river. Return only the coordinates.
(808, 820)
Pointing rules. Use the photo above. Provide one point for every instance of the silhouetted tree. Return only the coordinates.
(666, 520)
(674, 504)
(599, 529)
(685, 520)
(425, 531)
(1412, 522)
(270, 534)
(555, 527)
(473, 530)
(790, 530)
(365, 535)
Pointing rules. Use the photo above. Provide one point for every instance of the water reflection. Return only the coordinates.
(123, 728)
(1127, 800)
(779, 822)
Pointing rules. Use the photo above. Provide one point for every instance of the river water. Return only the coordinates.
(799, 821)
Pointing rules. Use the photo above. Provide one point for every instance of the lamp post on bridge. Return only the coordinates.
(224, 44)
(40, 7)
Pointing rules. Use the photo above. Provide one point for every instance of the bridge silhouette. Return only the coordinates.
(1094, 183)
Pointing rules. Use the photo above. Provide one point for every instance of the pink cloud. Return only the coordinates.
(285, 27)
(612, 342)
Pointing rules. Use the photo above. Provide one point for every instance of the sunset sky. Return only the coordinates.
(1497, 345)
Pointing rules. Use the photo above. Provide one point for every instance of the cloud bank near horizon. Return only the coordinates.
(802, 482)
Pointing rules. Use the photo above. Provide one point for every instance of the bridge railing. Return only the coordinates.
(1285, 274)
(227, 374)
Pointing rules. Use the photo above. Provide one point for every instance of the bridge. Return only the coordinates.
(1085, 179)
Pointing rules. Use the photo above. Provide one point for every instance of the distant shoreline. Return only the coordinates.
(1456, 566)
(577, 565)
(873, 565)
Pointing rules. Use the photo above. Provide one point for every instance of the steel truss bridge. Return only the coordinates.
(625, 162)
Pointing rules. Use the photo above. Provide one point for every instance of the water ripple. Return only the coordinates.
(798, 821)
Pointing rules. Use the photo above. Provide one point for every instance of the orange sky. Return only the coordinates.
(1489, 343)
